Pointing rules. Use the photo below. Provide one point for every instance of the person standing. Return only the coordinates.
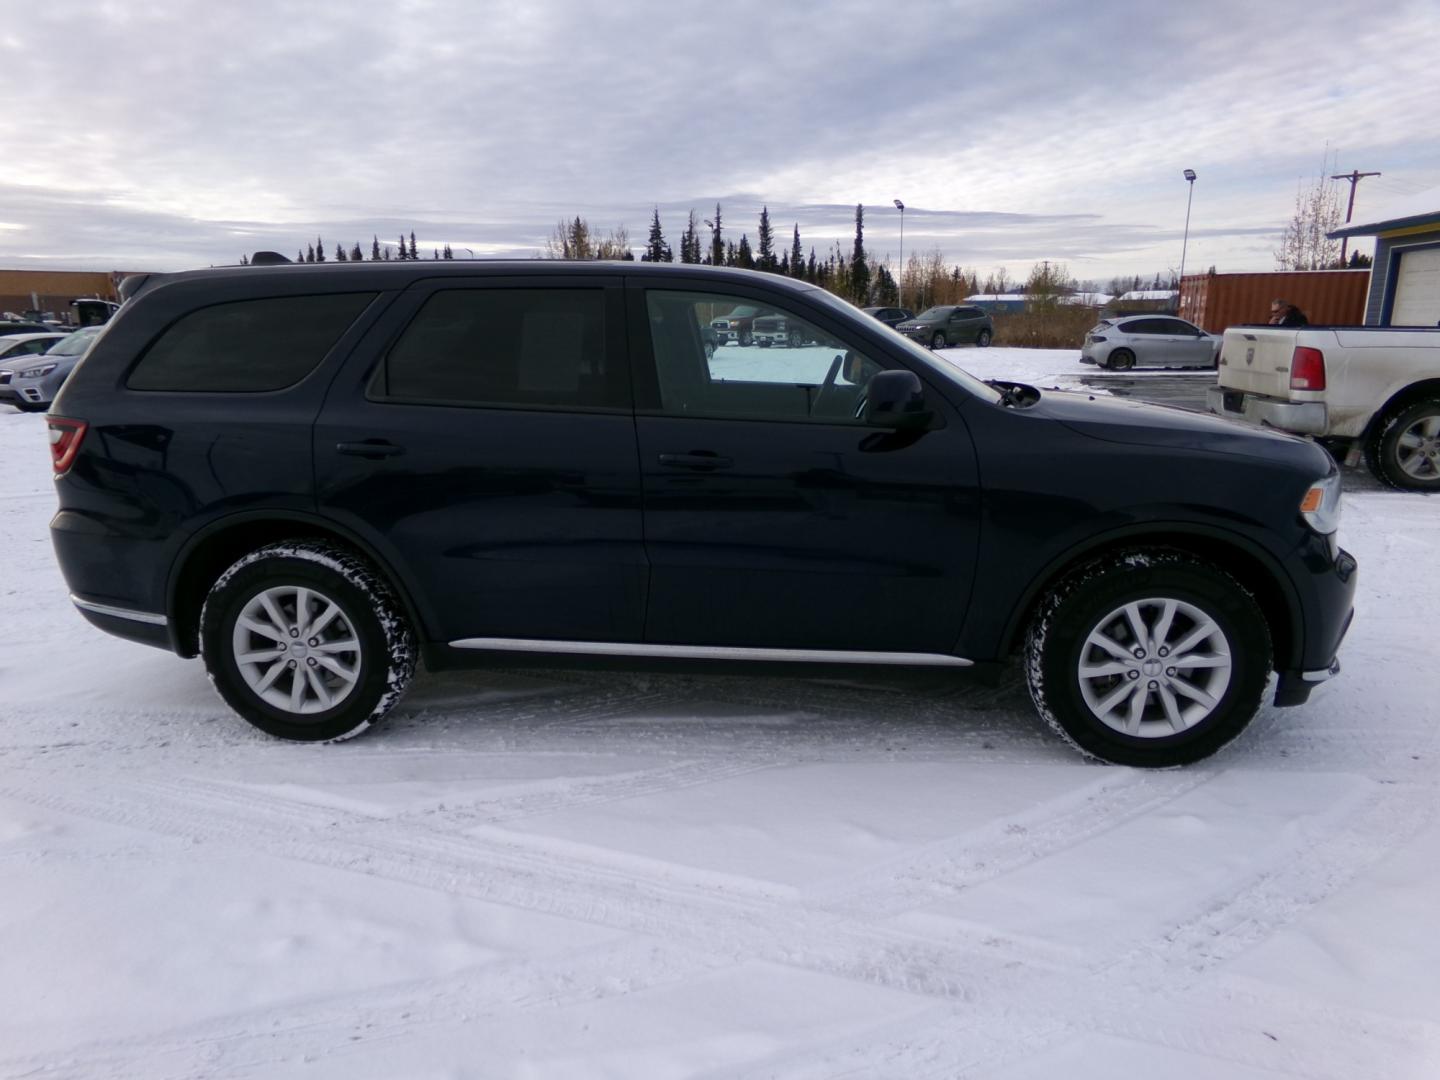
(1284, 313)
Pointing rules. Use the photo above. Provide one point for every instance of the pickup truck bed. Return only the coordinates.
(1359, 389)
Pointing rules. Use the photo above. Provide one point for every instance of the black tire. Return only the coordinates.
(938, 340)
(1404, 450)
(366, 610)
(1120, 360)
(1091, 600)
(983, 339)
(745, 338)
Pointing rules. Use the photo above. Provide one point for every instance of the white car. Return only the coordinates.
(1149, 341)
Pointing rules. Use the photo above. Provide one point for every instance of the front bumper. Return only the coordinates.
(1328, 612)
(1301, 417)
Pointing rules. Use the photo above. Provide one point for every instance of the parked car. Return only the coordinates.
(1362, 390)
(310, 477)
(20, 326)
(736, 325)
(949, 324)
(767, 330)
(17, 345)
(30, 384)
(1149, 341)
(890, 316)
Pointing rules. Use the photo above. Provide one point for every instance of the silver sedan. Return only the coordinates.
(1150, 341)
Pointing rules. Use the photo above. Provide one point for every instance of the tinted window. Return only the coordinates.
(791, 370)
(1143, 326)
(541, 348)
(1176, 326)
(248, 345)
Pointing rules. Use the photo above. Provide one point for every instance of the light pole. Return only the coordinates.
(472, 252)
(1185, 243)
(901, 207)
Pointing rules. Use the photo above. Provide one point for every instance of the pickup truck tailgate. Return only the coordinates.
(1256, 360)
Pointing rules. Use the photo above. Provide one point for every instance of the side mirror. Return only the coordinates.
(896, 400)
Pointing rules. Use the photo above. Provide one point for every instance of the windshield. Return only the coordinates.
(75, 344)
(918, 355)
(935, 313)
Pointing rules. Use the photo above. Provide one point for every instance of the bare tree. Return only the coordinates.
(1304, 244)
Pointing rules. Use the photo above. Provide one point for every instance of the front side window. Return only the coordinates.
(245, 346)
(518, 348)
(782, 367)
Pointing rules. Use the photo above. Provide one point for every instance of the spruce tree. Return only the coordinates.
(859, 268)
(403, 254)
(319, 250)
(717, 245)
(765, 257)
(797, 255)
(310, 253)
(340, 255)
(375, 249)
(690, 240)
(446, 253)
(657, 250)
(299, 255)
(356, 255)
(414, 254)
(743, 256)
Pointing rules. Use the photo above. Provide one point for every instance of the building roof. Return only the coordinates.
(1422, 208)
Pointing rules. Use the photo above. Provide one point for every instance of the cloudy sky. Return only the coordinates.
(169, 134)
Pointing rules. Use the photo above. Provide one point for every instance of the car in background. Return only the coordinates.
(736, 326)
(950, 324)
(31, 382)
(771, 329)
(1149, 341)
(14, 346)
(21, 326)
(890, 316)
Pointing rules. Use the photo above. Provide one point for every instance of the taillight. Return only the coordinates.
(65, 438)
(1307, 369)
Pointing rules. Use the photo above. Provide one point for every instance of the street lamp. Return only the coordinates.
(1185, 243)
(901, 207)
(471, 251)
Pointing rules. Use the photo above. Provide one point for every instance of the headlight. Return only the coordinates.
(1321, 505)
(36, 372)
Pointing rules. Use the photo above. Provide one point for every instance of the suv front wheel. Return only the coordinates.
(1149, 657)
(306, 641)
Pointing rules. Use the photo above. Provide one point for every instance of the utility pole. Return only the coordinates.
(1354, 176)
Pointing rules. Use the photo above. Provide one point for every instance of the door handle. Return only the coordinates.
(701, 460)
(370, 448)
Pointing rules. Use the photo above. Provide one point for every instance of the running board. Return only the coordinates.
(711, 652)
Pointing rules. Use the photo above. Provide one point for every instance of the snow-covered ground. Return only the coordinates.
(559, 875)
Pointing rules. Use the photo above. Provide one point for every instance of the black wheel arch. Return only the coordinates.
(1251, 565)
(216, 546)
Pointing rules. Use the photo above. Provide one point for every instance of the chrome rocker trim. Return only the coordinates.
(711, 652)
(147, 617)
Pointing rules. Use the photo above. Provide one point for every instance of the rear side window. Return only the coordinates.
(247, 346)
(521, 348)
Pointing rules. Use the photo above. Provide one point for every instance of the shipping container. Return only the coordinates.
(1327, 297)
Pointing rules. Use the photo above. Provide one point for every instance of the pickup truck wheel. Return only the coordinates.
(1121, 360)
(1148, 657)
(1404, 452)
(306, 641)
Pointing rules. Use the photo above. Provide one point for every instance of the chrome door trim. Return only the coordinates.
(711, 652)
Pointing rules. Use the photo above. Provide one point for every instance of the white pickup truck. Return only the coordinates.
(1358, 389)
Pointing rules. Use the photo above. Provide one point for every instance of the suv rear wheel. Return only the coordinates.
(306, 641)
(1150, 658)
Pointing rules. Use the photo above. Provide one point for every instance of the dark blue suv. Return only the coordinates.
(315, 476)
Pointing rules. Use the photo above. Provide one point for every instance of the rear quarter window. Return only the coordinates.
(247, 346)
